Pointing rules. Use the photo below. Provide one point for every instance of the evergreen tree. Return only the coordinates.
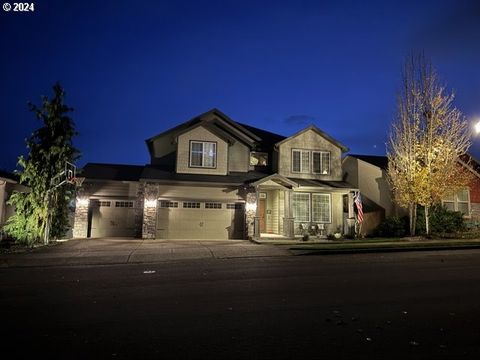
(50, 147)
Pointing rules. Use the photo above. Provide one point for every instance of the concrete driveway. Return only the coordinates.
(129, 250)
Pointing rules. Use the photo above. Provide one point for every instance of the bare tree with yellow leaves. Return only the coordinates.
(427, 138)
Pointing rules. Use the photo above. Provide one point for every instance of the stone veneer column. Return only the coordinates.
(139, 208)
(149, 227)
(80, 225)
(250, 212)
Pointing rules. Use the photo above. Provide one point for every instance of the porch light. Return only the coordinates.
(251, 206)
(151, 203)
(82, 201)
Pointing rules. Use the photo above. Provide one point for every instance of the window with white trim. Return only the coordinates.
(127, 204)
(301, 207)
(168, 204)
(301, 161)
(203, 154)
(191, 205)
(460, 201)
(213, 205)
(321, 162)
(321, 208)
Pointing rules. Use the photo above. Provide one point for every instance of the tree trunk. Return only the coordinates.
(412, 208)
(427, 220)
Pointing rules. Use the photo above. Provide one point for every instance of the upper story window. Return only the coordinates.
(301, 161)
(321, 162)
(460, 201)
(258, 158)
(203, 154)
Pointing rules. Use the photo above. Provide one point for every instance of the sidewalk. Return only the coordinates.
(107, 251)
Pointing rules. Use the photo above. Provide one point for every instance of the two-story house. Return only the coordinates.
(214, 178)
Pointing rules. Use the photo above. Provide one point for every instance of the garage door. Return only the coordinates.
(112, 218)
(199, 220)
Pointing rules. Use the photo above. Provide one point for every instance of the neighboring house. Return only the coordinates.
(8, 183)
(214, 178)
(369, 174)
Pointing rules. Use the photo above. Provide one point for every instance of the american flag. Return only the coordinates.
(358, 204)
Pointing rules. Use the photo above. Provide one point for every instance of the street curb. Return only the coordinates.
(307, 252)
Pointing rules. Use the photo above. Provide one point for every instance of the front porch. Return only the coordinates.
(282, 209)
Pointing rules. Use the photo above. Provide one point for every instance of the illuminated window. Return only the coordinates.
(460, 201)
(301, 207)
(301, 161)
(321, 208)
(258, 159)
(321, 162)
(203, 154)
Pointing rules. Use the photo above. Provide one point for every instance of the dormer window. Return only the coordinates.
(203, 154)
(258, 158)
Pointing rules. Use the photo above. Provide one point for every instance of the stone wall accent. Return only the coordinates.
(250, 206)
(139, 208)
(149, 227)
(80, 225)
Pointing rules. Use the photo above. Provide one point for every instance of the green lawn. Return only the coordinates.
(386, 243)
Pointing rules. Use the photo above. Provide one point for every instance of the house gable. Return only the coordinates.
(310, 140)
(201, 134)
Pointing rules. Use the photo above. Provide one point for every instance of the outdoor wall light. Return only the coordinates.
(82, 201)
(251, 207)
(151, 203)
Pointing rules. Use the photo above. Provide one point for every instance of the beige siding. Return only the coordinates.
(183, 152)
(372, 182)
(272, 208)
(238, 157)
(119, 189)
(162, 146)
(198, 193)
(309, 140)
(281, 210)
(350, 170)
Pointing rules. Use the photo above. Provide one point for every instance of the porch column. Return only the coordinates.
(149, 226)
(250, 206)
(80, 224)
(288, 219)
(256, 225)
(351, 215)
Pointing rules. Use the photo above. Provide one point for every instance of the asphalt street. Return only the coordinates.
(418, 305)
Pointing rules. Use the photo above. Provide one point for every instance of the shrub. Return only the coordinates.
(392, 226)
(442, 220)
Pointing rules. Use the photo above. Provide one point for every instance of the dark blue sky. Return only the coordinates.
(132, 69)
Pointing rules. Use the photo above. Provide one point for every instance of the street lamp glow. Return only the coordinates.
(477, 127)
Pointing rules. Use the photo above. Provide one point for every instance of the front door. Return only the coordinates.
(261, 214)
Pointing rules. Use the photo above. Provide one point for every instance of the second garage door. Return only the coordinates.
(199, 220)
